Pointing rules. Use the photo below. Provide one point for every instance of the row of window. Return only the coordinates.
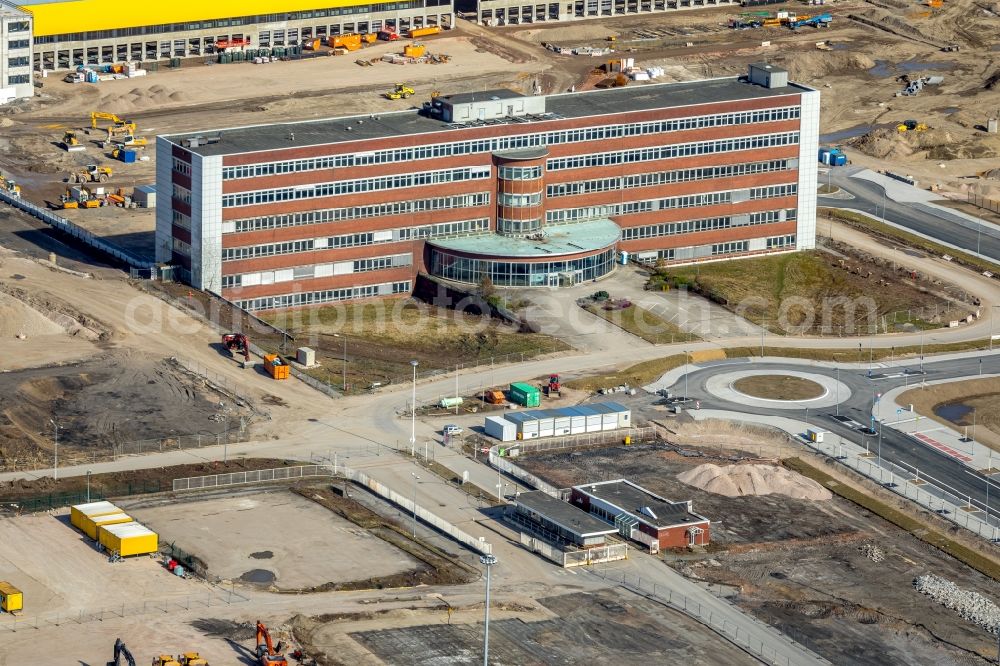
(730, 247)
(229, 22)
(309, 272)
(325, 296)
(15, 44)
(440, 230)
(672, 151)
(18, 26)
(665, 177)
(519, 200)
(567, 215)
(358, 185)
(182, 167)
(15, 79)
(519, 173)
(780, 241)
(181, 193)
(181, 220)
(520, 141)
(358, 212)
(506, 225)
(19, 61)
(707, 224)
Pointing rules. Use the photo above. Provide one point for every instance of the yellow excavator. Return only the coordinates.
(102, 115)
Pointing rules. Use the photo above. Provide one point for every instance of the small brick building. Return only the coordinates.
(641, 515)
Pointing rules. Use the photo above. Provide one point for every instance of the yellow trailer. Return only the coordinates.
(11, 598)
(77, 513)
(128, 539)
(89, 525)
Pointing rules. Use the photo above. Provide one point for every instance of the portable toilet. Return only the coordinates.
(11, 598)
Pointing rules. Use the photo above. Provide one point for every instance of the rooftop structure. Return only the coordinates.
(560, 521)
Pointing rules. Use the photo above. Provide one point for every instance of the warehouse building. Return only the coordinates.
(536, 423)
(519, 12)
(641, 515)
(526, 190)
(71, 33)
(15, 53)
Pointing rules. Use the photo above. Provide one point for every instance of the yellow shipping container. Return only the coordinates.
(11, 598)
(77, 513)
(89, 525)
(128, 539)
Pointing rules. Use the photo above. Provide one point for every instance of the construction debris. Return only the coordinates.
(872, 552)
(971, 606)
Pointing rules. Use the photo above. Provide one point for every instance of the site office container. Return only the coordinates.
(11, 598)
(623, 412)
(90, 524)
(128, 539)
(525, 394)
(501, 428)
(78, 512)
(577, 420)
(527, 425)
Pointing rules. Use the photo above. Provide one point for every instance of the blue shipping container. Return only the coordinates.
(128, 156)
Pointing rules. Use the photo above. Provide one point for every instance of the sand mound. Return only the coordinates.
(816, 65)
(16, 318)
(741, 480)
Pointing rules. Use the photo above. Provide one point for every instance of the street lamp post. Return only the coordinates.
(55, 461)
(838, 389)
(488, 561)
(415, 479)
(88, 486)
(413, 411)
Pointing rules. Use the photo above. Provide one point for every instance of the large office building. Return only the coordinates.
(70, 33)
(521, 12)
(15, 53)
(528, 190)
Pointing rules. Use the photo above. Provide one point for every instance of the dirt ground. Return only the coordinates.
(59, 569)
(804, 567)
(779, 387)
(304, 545)
(601, 627)
(111, 401)
(961, 404)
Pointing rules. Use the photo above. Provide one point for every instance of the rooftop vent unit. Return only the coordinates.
(195, 141)
(768, 76)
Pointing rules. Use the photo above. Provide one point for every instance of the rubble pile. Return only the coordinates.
(971, 606)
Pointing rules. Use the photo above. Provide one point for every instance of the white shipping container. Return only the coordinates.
(500, 428)
(546, 432)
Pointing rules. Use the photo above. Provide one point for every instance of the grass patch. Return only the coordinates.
(884, 230)
(827, 189)
(642, 323)
(779, 387)
(815, 292)
(962, 553)
(635, 375)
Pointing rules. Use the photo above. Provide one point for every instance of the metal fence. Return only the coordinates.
(982, 202)
(760, 641)
(210, 599)
(67, 227)
(253, 476)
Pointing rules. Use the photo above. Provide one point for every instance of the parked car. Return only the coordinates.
(452, 429)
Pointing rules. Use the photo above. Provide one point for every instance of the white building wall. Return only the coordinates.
(206, 222)
(164, 200)
(805, 232)
(15, 61)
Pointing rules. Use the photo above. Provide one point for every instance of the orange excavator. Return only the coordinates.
(267, 654)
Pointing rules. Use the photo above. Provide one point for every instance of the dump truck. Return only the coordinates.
(401, 91)
(423, 32)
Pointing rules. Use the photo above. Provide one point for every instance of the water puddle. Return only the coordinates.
(884, 68)
(955, 412)
(262, 555)
(261, 576)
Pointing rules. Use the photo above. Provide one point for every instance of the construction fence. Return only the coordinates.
(479, 545)
(982, 202)
(214, 598)
(575, 558)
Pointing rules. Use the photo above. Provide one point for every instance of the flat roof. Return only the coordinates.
(559, 240)
(566, 412)
(634, 500)
(598, 103)
(484, 96)
(564, 514)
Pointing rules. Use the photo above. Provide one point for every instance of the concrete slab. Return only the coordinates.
(274, 535)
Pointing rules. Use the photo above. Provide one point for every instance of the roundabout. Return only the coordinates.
(778, 389)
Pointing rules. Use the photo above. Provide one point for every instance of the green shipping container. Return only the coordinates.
(525, 394)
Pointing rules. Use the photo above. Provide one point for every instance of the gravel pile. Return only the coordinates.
(742, 480)
(972, 606)
(872, 552)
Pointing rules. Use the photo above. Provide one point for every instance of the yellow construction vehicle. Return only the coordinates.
(402, 91)
(67, 201)
(116, 131)
(130, 141)
(70, 142)
(10, 187)
(93, 174)
(165, 660)
(912, 126)
(101, 115)
(191, 659)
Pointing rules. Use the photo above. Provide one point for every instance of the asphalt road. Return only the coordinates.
(940, 225)
(895, 446)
